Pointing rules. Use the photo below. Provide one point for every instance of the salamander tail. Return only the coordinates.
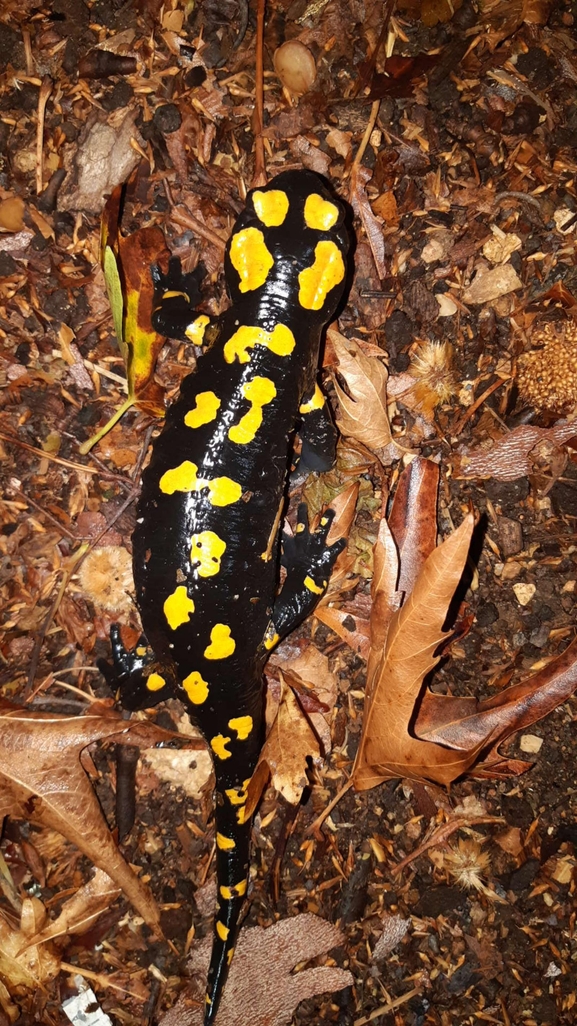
(232, 865)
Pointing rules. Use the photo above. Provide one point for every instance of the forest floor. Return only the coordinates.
(464, 287)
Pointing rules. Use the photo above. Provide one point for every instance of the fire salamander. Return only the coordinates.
(206, 545)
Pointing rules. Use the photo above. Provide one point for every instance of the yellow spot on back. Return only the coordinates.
(224, 843)
(280, 341)
(154, 682)
(223, 491)
(196, 329)
(178, 607)
(242, 725)
(205, 409)
(310, 584)
(196, 688)
(229, 955)
(221, 644)
(218, 745)
(180, 479)
(259, 392)
(317, 281)
(271, 207)
(315, 403)
(222, 930)
(320, 213)
(238, 795)
(236, 891)
(206, 552)
(250, 258)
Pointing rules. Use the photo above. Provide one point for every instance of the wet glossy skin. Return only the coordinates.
(207, 536)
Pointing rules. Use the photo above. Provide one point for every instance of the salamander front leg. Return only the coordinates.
(309, 562)
(175, 297)
(133, 675)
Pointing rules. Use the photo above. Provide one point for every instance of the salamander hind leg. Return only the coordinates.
(309, 562)
(318, 434)
(133, 675)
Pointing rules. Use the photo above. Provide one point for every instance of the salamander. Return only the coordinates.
(207, 542)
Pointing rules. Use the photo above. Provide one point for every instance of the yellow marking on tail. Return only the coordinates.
(317, 281)
(196, 688)
(250, 258)
(178, 607)
(238, 795)
(222, 930)
(225, 843)
(221, 644)
(237, 891)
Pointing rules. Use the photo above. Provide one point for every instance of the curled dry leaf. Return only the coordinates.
(263, 989)
(80, 911)
(387, 749)
(363, 411)
(24, 963)
(512, 456)
(290, 743)
(360, 203)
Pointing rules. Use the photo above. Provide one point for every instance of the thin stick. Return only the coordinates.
(318, 822)
(365, 140)
(258, 120)
(402, 1000)
(45, 90)
(478, 402)
(441, 834)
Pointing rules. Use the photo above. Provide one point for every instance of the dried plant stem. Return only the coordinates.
(318, 822)
(45, 90)
(442, 834)
(258, 120)
(402, 1000)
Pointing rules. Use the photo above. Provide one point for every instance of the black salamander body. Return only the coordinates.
(206, 543)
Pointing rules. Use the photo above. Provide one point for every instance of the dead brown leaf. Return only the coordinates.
(43, 781)
(387, 749)
(263, 989)
(24, 963)
(284, 755)
(363, 408)
(465, 722)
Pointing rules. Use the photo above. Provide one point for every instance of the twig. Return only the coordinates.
(402, 1000)
(189, 221)
(365, 140)
(45, 90)
(441, 834)
(315, 826)
(259, 177)
(478, 402)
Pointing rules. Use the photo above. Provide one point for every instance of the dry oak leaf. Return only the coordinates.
(387, 749)
(462, 723)
(42, 780)
(24, 963)
(263, 989)
(363, 411)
